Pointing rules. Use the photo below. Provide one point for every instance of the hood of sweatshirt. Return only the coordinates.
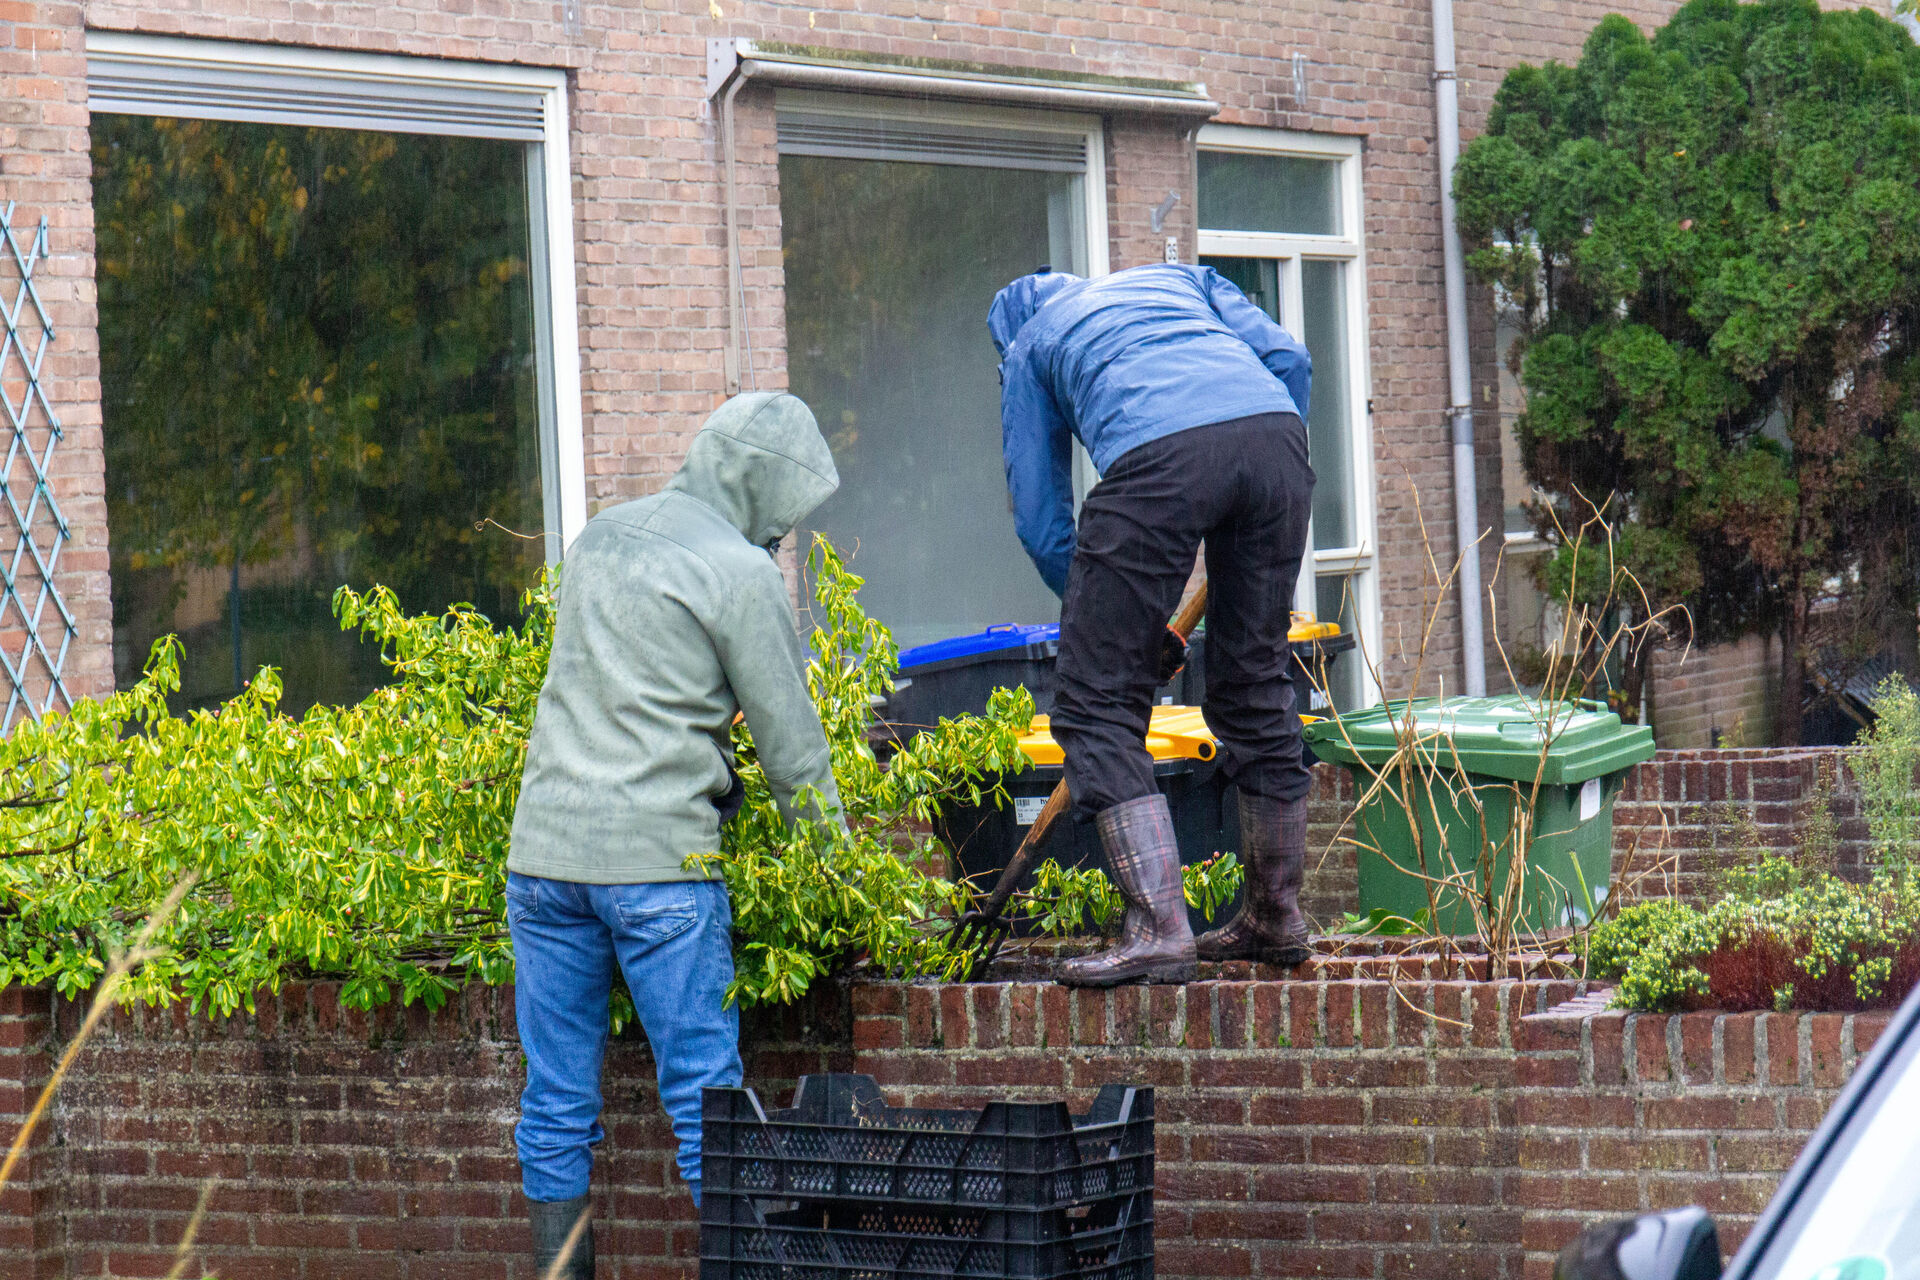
(1014, 305)
(761, 462)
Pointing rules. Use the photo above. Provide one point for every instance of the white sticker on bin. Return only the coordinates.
(1026, 809)
(1589, 799)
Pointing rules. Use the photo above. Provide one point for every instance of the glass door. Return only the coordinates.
(1277, 217)
(896, 234)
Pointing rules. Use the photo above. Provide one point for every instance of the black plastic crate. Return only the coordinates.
(744, 1238)
(841, 1141)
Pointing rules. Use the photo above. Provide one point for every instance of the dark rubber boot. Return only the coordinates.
(1155, 942)
(552, 1222)
(1270, 926)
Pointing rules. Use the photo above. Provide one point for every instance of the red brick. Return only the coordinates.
(1232, 1011)
(954, 1029)
(1867, 1030)
(1023, 1016)
(1694, 1111)
(1759, 1153)
(1737, 1049)
(1269, 1015)
(1591, 1193)
(1342, 1001)
(1163, 1014)
(1315, 1109)
(1829, 1062)
(1312, 1185)
(1696, 1046)
(1783, 1047)
(1647, 1151)
(1303, 1015)
(989, 1015)
(1651, 1057)
(1055, 1026)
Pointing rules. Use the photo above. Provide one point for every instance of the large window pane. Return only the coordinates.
(1289, 194)
(317, 367)
(1258, 278)
(1323, 306)
(1513, 472)
(890, 268)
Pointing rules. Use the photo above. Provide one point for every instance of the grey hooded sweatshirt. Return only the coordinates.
(672, 617)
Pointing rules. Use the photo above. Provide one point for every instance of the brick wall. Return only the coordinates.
(30, 1235)
(339, 1145)
(44, 173)
(649, 245)
(1724, 694)
(1647, 1111)
(1680, 819)
(1338, 1129)
(1686, 815)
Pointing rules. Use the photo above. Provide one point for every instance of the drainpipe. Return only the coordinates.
(1466, 502)
(736, 302)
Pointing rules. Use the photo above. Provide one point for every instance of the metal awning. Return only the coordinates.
(801, 66)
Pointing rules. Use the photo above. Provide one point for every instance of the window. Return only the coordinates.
(337, 347)
(899, 224)
(1527, 624)
(1280, 217)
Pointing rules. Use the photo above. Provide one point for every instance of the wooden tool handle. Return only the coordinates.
(1183, 622)
(1023, 856)
(1191, 612)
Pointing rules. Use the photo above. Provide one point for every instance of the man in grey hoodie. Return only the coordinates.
(672, 617)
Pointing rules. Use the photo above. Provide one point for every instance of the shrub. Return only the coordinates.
(368, 843)
(1614, 944)
(1789, 932)
(1823, 944)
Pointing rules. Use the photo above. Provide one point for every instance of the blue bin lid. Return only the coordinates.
(981, 644)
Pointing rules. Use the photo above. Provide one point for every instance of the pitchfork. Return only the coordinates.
(979, 933)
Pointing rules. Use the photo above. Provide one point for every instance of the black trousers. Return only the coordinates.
(1244, 489)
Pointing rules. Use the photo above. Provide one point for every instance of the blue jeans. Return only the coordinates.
(674, 944)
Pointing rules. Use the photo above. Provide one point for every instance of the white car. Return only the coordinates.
(1849, 1209)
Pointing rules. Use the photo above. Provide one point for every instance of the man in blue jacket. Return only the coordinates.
(1190, 401)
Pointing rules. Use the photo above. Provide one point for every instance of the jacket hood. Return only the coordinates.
(1014, 305)
(761, 462)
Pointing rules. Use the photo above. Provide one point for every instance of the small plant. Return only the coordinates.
(1383, 923)
(1614, 944)
(1065, 901)
(1885, 770)
(1788, 930)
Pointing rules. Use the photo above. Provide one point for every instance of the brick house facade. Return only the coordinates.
(649, 247)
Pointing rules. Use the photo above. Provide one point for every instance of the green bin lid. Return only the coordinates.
(1496, 737)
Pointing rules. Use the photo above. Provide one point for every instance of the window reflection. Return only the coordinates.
(1292, 195)
(317, 368)
(890, 269)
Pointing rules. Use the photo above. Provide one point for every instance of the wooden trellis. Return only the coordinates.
(30, 602)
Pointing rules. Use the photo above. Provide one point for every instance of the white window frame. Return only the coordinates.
(1359, 560)
(389, 81)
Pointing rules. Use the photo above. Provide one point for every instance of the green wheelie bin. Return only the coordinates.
(1566, 760)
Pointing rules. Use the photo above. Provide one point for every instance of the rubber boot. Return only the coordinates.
(1156, 942)
(1270, 926)
(552, 1222)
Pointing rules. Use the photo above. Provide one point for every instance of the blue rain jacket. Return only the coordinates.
(1117, 362)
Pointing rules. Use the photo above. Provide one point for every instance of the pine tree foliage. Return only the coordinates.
(1712, 237)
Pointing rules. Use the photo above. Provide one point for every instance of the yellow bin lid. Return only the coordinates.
(1306, 627)
(1173, 733)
